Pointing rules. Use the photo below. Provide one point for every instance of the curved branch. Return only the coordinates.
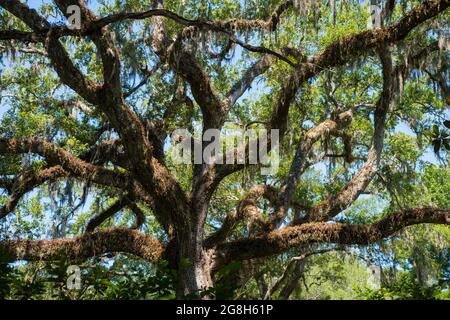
(57, 156)
(97, 220)
(27, 182)
(295, 266)
(231, 24)
(68, 72)
(337, 54)
(289, 237)
(227, 25)
(83, 247)
(246, 210)
(299, 164)
(345, 49)
(105, 215)
(103, 41)
(393, 78)
(238, 89)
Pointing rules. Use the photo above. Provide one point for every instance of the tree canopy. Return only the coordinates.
(90, 178)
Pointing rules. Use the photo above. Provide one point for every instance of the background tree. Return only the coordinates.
(86, 161)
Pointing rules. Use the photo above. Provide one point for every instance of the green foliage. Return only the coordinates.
(439, 138)
(130, 280)
(406, 287)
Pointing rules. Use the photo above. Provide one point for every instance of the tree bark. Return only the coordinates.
(194, 267)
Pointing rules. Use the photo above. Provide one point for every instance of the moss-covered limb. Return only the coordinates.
(328, 127)
(68, 72)
(283, 239)
(393, 79)
(55, 155)
(347, 48)
(245, 82)
(227, 24)
(27, 182)
(83, 247)
(337, 54)
(248, 211)
(72, 165)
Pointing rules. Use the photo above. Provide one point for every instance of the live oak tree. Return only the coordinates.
(94, 107)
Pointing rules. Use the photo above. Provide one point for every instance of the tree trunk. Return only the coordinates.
(194, 270)
(293, 280)
(194, 261)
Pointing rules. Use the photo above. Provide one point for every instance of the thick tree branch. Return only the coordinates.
(292, 271)
(281, 240)
(239, 88)
(106, 214)
(347, 48)
(393, 79)
(299, 164)
(83, 247)
(120, 204)
(229, 25)
(63, 65)
(57, 156)
(247, 210)
(27, 182)
(219, 25)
